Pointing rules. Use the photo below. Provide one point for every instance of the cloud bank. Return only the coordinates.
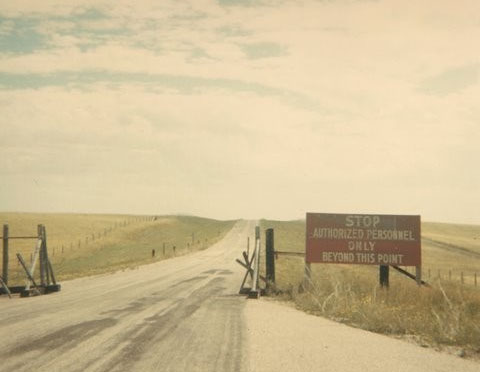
(240, 109)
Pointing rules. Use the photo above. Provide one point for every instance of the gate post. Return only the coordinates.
(42, 255)
(270, 257)
(45, 256)
(5, 255)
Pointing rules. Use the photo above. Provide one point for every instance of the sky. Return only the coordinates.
(241, 108)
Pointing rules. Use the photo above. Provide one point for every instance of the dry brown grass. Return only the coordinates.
(447, 314)
(449, 250)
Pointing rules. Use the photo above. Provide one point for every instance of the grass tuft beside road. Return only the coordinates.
(447, 314)
(87, 244)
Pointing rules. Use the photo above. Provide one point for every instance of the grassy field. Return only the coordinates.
(86, 244)
(447, 314)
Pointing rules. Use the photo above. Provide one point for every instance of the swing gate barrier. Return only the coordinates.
(252, 265)
(47, 284)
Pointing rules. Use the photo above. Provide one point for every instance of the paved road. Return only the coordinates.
(184, 314)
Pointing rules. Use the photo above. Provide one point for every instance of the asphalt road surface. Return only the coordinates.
(184, 314)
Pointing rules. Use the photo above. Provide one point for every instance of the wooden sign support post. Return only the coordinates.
(384, 276)
(418, 275)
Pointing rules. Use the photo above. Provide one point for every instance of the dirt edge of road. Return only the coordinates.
(278, 306)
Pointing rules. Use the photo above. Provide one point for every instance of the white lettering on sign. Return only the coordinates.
(405, 235)
(373, 239)
(361, 246)
(352, 234)
(342, 257)
(330, 233)
(390, 259)
(364, 258)
(362, 221)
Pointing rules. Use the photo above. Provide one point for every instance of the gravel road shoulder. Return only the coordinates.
(281, 338)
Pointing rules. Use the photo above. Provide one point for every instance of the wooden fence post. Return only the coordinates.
(270, 257)
(5, 255)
